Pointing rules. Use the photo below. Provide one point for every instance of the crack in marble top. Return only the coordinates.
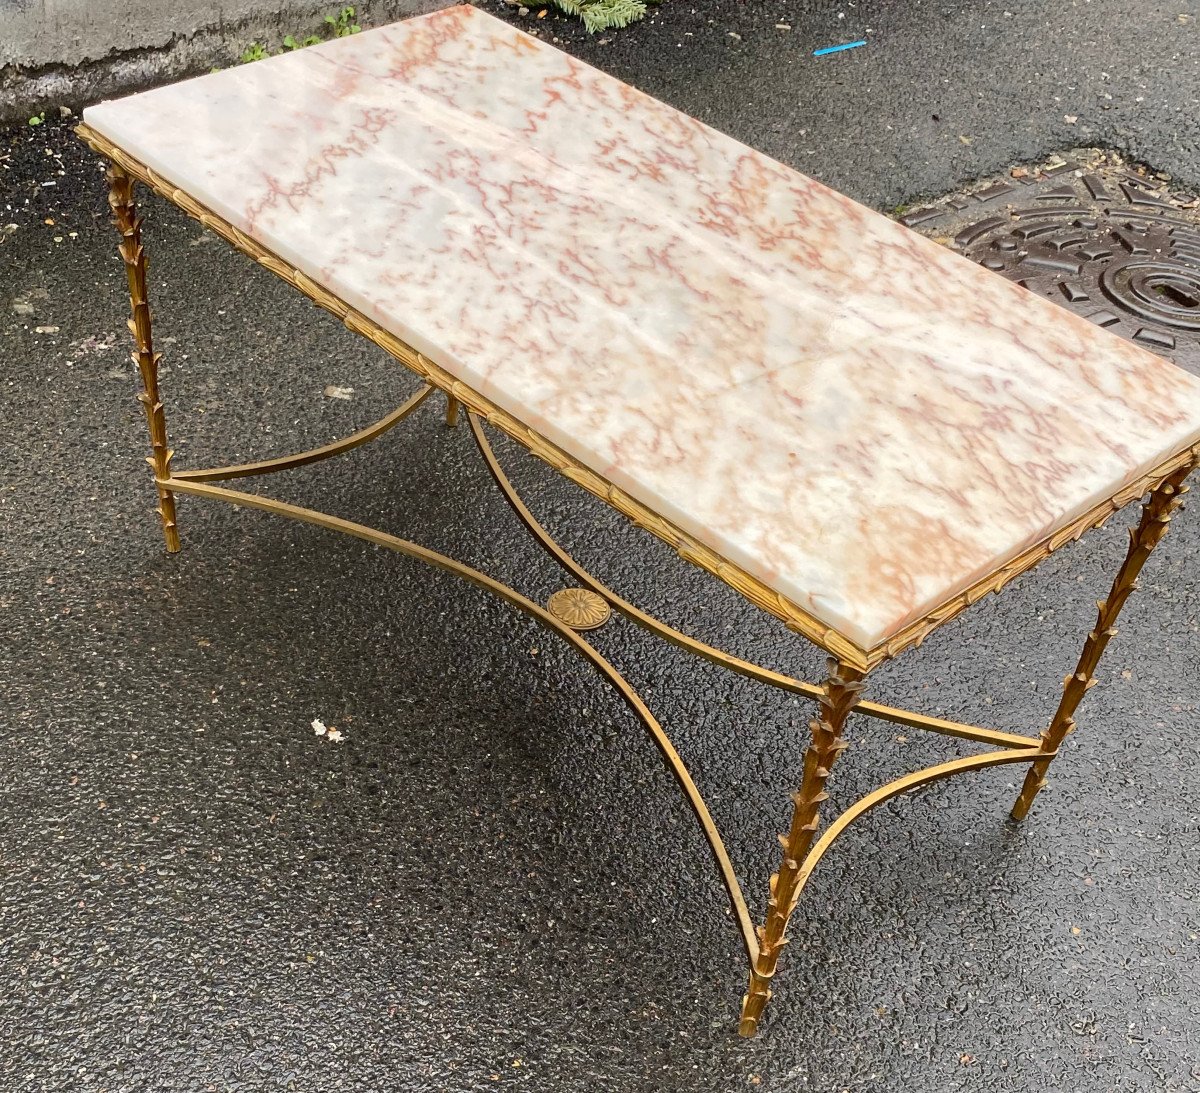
(863, 421)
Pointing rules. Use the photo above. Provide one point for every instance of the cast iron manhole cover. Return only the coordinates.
(1109, 242)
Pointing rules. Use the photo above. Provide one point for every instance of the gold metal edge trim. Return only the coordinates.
(793, 616)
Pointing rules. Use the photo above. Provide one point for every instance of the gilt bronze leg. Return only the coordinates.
(120, 197)
(839, 694)
(1156, 516)
(452, 405)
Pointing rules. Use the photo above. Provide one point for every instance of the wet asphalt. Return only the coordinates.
(491, 881)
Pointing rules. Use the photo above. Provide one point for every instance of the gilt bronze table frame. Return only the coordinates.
(587, 606)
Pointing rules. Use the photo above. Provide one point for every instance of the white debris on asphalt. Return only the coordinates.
(333, 735)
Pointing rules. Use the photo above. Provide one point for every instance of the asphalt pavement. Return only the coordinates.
(491, 881)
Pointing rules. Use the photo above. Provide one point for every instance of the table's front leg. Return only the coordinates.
(120, 197)
(1156, 516)
(840, 693)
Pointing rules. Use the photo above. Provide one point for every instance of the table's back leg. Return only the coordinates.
(1156, 516)
(120, 197)
(840, 693)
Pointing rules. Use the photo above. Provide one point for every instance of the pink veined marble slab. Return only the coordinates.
(859, 418)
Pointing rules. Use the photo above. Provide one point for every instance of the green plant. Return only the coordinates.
(601, 14)
(37, 119)
(342, 25)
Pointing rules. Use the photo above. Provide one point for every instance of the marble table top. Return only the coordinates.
(860, 419)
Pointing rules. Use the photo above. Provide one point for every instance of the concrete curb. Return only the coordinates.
(75, 52)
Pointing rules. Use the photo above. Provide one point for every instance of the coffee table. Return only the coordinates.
(860, 432)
